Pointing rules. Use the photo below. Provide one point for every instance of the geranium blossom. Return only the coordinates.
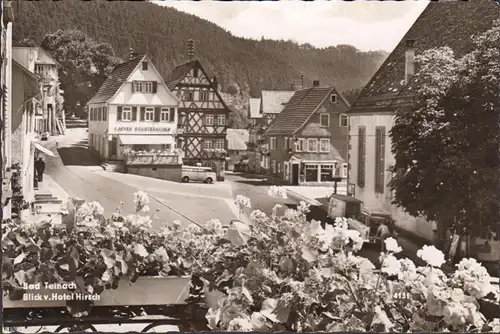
(391, 245)
(432, 256)
(277, 192)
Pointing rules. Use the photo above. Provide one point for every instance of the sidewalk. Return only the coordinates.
(49, 200)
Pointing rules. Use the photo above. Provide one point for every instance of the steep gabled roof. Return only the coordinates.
(254, 108)
(179, 73)
(442, 23)
(45, 58)
(298, 110)
(237, 139)
(116, 79)
(274, 101)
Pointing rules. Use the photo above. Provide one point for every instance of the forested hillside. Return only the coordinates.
(163, 32)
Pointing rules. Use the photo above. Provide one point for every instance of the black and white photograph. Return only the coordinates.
(250, 166)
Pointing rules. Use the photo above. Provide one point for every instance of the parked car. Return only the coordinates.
(198, 174)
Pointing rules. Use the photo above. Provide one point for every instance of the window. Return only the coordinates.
(324, 145)
(345, 169)
(149, 115)
(361, 156)
(203, 96)
(324, 120)
(311, 173)
(38, 69)
(99, 114)
(219, 143)
(144, 65)
(286, 171)
(187, 96)
(273, 166)
(148, 87)
(140, 147)
(209, 119)
(164, 115)
(105, 114)
(272, 143)
(279, 167)
(326, 173)
(166, 147)
(379, 159)
(343, 120)
(138, 86)
(333, 98)
(126, 114)
(299, 145)
(207, 144)
(195, 72)
(312, 145)
(221, 119)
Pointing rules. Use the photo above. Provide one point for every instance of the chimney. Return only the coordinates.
(215, 84)
(302, 80)
(409, 60)
(132, 54)
(316, 83)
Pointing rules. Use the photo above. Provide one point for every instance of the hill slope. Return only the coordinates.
(163, 32)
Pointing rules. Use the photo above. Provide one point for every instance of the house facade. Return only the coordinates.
(133, 111)
(308, 139)
(372, 115)
(237, 148)
(254, 135)
(49, 106)
(203, 117)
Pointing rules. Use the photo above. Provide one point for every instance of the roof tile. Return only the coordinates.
(179, 73)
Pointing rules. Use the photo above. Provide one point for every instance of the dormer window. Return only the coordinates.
(144, 65)
(333, 98)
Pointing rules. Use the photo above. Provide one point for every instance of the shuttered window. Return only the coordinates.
(105, 114)
(134, 114)
(361, 156)
(119, 113)
(379, 159)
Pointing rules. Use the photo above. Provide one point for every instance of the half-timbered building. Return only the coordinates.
(203, 117)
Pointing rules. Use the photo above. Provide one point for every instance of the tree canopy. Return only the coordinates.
(85, 63)
(447, 164)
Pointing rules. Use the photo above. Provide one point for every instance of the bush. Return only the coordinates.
(280, 273)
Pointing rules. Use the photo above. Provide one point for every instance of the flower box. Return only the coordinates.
(147, 290)
(151, 159)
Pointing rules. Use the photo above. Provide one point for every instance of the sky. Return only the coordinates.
(367, 25)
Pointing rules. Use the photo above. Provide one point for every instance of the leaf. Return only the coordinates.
(20, 276)
(141, 250)
(238, 233)
(308, 254)
(22, 241)
(271, 311)
(247, 294)
(107, 255)
(19, 258)
(213, 316)
(286, 263)
(259, 322)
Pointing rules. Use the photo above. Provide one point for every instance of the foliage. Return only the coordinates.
(446, 147)
(18, 202)
(131, 152)
(85, 64)
(162, 32)
(280, 273)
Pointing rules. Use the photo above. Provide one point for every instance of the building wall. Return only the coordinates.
(171, 172)
(367, 194)
(25, 56)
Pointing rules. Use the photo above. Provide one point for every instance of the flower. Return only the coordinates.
(240, 325)
(391, 245)
(277, 192)
(242, 202)
(391, 266)
(473, 277)
(195, 229)
(141, 200)
(432, 256)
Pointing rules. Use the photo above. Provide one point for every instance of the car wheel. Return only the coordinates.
(209, 180)
(185, 179)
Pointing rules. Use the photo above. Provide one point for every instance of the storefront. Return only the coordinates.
(301, 172)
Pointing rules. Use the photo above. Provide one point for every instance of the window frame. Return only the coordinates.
(186, 94)
(343, 117)
(126, 110)
(333, 98)
(165, 111)
(211, 118)
(273, 143)
(208, 147)
(309, 140)
(321, 120)
(323, 140)
(219, 117)
(145, 66)
(148, 87)
(138, 87)
(217, 143)
(149, 111)
(307, 167)
(361, 158)
(204, 93)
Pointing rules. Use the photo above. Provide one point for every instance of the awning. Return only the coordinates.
(44, 150)
(146, 139)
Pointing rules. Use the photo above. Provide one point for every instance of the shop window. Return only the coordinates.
(311, 172)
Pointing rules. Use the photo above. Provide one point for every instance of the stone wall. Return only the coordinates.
(170, 172)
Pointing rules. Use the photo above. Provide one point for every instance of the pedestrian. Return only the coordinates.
(383, 233)
(39, 168)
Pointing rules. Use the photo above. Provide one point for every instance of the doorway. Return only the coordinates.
(295, 174)
(113, 144)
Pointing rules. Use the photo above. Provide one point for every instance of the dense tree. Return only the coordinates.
(447, 147)
(85, 64)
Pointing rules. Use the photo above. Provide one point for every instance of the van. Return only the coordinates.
(198, 174)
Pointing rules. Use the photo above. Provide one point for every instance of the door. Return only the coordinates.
(113, 146)
(295, 174)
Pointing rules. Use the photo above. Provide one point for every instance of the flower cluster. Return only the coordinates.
(277, 192)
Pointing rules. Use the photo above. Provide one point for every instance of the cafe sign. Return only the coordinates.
(142, 129)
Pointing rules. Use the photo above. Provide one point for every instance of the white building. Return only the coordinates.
(132, 109)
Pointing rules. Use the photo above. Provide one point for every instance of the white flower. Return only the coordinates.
(242, 202)
(408, 271)
(391, 245)
(303, 207)
(277, 192)
(391, 266)
(258, 215)
(240, 325)
(195, 229)
(473, 278)
(432, 256)
(141, 200)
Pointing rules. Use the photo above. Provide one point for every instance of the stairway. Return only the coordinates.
(75, 122)
(113, 166)
(47, 199)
